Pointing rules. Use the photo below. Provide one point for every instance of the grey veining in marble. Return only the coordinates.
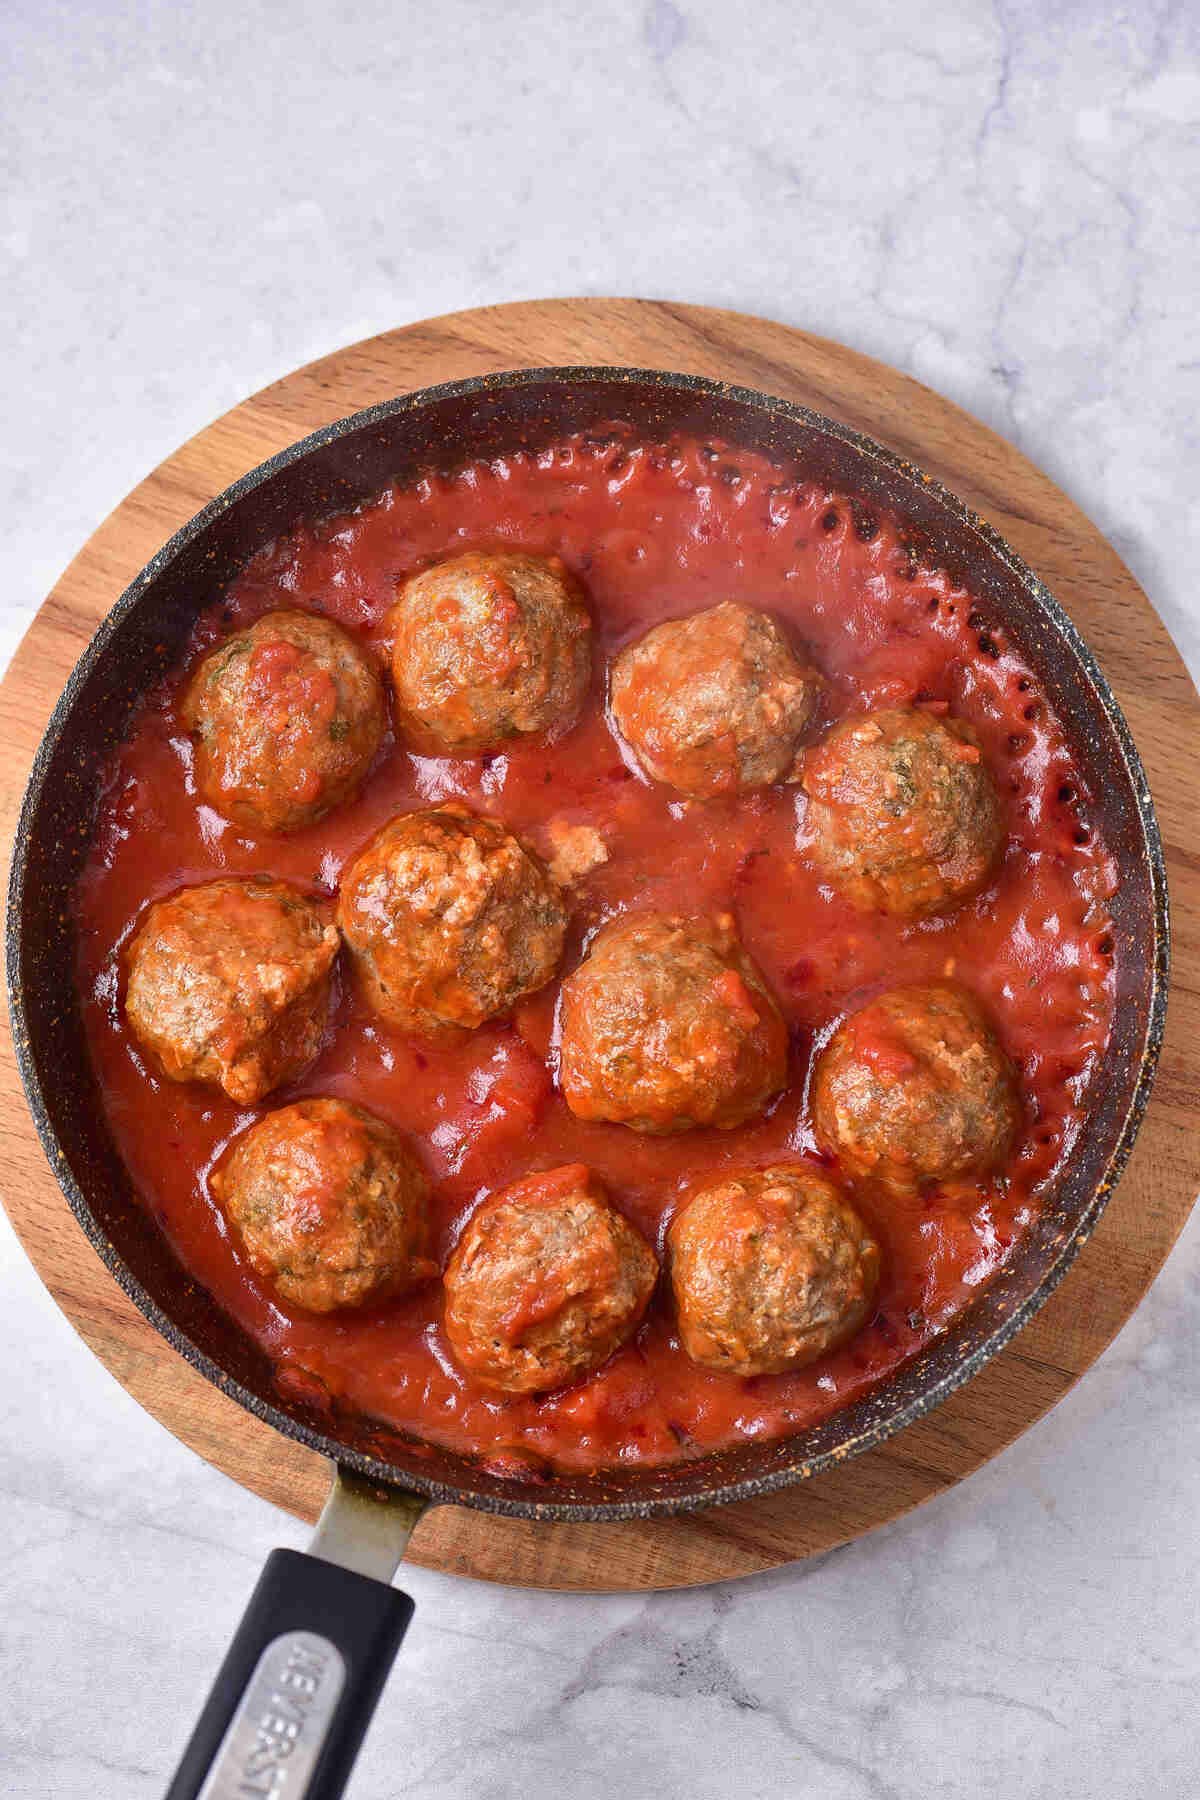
(1001, 199)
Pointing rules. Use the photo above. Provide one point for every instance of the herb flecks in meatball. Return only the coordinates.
(228, 983)
(487, 647)
(287, 717)
(330, 1205)
(668, 1024)
(449, 920)
(547, 1280)
(771, 1269)
(915, 1088)
(903, 814)
(714, 703)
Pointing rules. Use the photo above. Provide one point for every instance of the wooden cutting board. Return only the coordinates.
(1150, 681)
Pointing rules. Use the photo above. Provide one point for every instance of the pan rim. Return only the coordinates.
(968, 1365)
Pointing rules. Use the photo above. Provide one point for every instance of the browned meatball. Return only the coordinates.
(714, 703)
(903, 813)
(329, 1203)
(488, 647)
(287, 716)
(771, 1268)
(229, 983)
(915, 1088)
(667, 1024)
(449, 920)
(545, 1283)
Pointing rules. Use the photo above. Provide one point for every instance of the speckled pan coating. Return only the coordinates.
(344, 463)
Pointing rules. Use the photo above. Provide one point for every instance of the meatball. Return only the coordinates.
(771, 1268)
(902, 812)
(329, 1203)
(286, 716)
(449, 920)
(229, 983)
(915, 1088)
(714, 703)
(488, 647)
(667, 1024)
(547, 1280)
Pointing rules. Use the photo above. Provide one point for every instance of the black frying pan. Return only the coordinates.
(307, 1666)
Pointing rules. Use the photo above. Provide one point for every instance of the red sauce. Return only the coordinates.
(651, 531)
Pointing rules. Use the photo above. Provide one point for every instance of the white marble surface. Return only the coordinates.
(1001, 199)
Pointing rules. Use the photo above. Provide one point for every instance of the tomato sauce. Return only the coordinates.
(652, 531)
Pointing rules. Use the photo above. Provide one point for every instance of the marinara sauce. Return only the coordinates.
(652, 530)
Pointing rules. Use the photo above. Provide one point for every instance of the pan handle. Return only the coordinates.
(294, 1696)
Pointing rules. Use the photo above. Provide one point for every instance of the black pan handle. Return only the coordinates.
(299, 1686)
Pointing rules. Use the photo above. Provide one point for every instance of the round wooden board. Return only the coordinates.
(1156, 1195)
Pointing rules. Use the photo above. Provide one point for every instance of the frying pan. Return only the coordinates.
(294, 1696)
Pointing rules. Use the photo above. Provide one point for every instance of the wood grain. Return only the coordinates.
(1160, 702)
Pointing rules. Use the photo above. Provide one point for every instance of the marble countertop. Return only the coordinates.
(1000, 199)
